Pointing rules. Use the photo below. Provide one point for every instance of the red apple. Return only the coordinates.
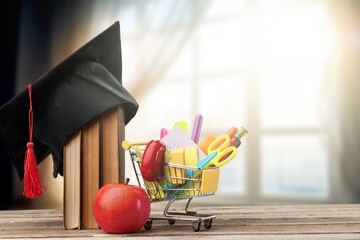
(121, 208)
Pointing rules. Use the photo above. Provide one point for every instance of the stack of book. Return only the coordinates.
(92, 158)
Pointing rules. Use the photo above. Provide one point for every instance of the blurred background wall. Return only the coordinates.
(287, 70)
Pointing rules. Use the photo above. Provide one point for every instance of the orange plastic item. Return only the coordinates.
(207, 141)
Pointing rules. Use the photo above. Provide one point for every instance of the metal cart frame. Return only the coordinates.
(180, 182)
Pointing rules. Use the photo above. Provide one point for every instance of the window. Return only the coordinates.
(256, 64)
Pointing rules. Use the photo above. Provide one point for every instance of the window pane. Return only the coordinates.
(130, 52)
(219, 8)
(222, 46)
(232, 175)
(166, 104)
(272, 3)
(183, 63)
(222, 103)
(292, 36)
(129, 20)
(171, 12)
(290, 99)
(294, 165)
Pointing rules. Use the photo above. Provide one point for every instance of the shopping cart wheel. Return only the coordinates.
(208, 224)
(196, 226)
(172, 221)
(148, 224)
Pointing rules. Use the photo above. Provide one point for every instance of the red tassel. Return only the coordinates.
(32, 184)
(32, 179)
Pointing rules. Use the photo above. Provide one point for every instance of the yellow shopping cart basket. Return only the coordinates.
(179, 182)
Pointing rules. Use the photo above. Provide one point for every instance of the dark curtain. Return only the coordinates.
(348, 92)
(344, 112)
(9, 34)
(26, 32)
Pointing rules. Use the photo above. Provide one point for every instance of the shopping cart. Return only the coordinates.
(180, 182)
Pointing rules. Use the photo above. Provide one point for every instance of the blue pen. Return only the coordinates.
(203, 163)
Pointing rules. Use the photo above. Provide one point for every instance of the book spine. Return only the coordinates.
(90, 175)
(71, 198)
(111, 134)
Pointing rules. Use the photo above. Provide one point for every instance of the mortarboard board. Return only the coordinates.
(77, 90)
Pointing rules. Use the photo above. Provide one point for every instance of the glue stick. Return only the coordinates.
(236, 140)
(231, 132)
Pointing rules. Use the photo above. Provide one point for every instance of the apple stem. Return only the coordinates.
(127, 180)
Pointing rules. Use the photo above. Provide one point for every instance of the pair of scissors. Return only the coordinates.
(219, 153)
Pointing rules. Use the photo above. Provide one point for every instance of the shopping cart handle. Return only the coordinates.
(127, 145)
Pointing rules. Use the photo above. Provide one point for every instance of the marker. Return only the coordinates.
(197, 128)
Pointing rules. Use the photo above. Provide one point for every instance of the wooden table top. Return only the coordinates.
(242, 222)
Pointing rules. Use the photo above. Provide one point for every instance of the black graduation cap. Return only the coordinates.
(79, 89)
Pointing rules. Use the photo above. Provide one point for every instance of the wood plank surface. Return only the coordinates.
(242, 222)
